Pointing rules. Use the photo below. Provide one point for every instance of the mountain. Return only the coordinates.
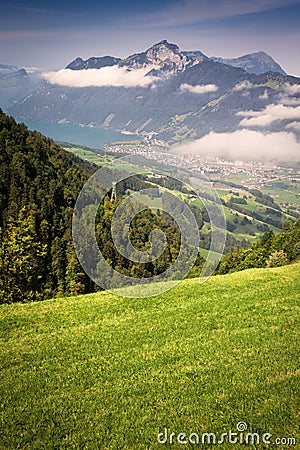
(176, 94)
(163, 55)
(257, 63)
(14, 84)
(93, 63)
(169, 57)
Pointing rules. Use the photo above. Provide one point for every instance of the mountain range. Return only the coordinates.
(173, 94)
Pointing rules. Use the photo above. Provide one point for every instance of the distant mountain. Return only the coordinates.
(14, 84)
(257, 63)
(93, 63)
(164, 55)
(185, 96)
(169, 57)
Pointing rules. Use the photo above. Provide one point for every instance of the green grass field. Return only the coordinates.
(104, 372)
(285, 192)
(89, 155)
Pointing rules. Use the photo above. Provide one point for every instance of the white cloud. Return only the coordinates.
(261, 121)
(294, 125)
(292, 89)
(244, 145)
(106, 76)
(264, 96)
(198, 89)
(32, 69)
(243, 85)
(288, 96)
(270, 114)
(289, 101)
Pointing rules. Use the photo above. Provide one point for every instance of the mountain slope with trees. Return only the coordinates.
(40, 183)
(269, 251)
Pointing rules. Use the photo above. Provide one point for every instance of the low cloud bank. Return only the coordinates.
(270, 114)
(106, 76)
(244, 145)
(198, 89)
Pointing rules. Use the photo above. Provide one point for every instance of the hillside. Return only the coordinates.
(41, 183)
(39, 186)
(102, 372)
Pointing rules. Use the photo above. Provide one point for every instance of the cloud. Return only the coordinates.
(198, 89)
(244, 85)
(292, 89)
(289, 95)
(264, 96)
(289, 101)
(269, 115)
(294, 125)
(32, 69)
(244, 145)
(106, 76)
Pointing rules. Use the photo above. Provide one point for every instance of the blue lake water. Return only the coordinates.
(75, 134)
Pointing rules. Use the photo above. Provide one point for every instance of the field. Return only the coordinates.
(284, 191)
(89, 155)
(104, 372)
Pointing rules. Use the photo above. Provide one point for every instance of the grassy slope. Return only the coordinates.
(100, 372)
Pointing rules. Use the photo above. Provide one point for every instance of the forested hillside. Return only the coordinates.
(269, 251)
(39, 185)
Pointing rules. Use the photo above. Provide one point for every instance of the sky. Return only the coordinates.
(50, 34)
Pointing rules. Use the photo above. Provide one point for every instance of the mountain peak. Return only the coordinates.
(165, 43)
(166, 54)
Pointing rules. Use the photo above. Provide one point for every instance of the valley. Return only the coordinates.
(239, 184)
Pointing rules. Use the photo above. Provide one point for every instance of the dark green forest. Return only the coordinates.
(272, 250)
(39, 185)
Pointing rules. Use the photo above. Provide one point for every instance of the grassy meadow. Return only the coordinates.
(104, 372)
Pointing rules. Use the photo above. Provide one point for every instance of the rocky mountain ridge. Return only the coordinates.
(168, 56)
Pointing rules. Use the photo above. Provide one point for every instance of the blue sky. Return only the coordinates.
(50, 34)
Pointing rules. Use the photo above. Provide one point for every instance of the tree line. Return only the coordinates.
(271, 250)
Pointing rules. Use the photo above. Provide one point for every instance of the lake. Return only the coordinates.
(76, 134)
